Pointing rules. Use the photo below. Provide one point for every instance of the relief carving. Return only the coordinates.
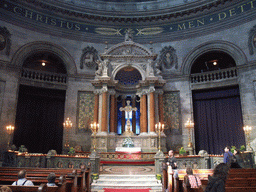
(89, 58)
(168, 58)
(5, 41)
(252, 40)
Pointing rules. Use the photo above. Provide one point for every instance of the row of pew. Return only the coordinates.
(75, 180)
(239, 180)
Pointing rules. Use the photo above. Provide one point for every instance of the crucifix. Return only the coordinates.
(128, 114)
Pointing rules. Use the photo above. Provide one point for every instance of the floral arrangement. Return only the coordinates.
(158, 176)
(23, 149)
(182, 151)
(242, 148)
(71, 151)
(232, 149)
(128, 142)
(95, 176)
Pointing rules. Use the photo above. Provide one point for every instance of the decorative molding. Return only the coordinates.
(252, 40)
(112, 92)
(5, 40)
(89, 12)
(100, 91)
(89, 58)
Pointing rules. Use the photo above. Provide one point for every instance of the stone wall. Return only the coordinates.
(233, 41)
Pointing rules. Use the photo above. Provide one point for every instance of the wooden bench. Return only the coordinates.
(41, 188)
(201, 173)
(77, 180)
(239, 180)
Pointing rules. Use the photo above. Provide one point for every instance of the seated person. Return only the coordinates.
(51, 180)
(190, 180)
(22, 179)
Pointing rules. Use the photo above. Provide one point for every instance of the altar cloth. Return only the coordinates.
(128, 149)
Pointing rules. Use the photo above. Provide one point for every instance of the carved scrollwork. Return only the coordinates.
(5, 41)
(89, 58)
(252, 40)
(168, 58)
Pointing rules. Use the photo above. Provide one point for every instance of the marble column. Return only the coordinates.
(161, 107)
(152, 111)
(123, 114)
(112, 113)
(134, 115)
(115, 106)
(143, 114)
(96, 108)
(104, 120)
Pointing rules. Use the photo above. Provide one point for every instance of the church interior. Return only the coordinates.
(111, 86)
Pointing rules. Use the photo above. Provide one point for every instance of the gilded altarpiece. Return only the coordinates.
(85, 110)
(171, 104)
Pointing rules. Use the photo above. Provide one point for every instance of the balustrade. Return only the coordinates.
(214, 75)
(44, 76)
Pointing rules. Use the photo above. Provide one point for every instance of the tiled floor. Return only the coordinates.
(128, 170)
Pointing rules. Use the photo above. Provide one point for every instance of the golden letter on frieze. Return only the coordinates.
(232, 12)
(77, 27)
(28, 14)
(191, 24)
(17, 10)
(242, 7)
(224, 16)
(251, 3)
(180, 27)
(200, 22)
(53, 22)
(39, 17)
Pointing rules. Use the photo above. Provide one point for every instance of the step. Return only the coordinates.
(126, 181)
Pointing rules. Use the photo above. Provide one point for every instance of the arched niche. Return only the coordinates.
(223, 46)
(41, 46)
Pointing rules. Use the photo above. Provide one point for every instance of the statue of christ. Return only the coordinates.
(128, 115)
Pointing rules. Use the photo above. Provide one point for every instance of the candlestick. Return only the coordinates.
(94, 128)
(159, 128)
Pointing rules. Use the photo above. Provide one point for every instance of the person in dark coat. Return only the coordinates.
(216, 183)
(237, 161)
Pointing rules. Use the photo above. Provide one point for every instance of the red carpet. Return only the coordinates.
(126, 190)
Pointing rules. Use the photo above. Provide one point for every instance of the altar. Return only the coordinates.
(128, 149)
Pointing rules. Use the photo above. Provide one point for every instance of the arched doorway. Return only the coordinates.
(40, 107)
(217, 111)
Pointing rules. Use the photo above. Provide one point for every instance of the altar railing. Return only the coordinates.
(120, 156)
(210, 76)
(15, 159)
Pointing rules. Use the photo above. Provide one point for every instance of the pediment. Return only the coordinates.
(128, 49)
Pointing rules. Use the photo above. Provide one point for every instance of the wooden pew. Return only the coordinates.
(240, 180)
(78, 180)
(201, 173)
(41, 188)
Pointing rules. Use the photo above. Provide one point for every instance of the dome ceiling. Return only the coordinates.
(108, 21)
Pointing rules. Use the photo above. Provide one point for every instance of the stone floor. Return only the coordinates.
(128, 170)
